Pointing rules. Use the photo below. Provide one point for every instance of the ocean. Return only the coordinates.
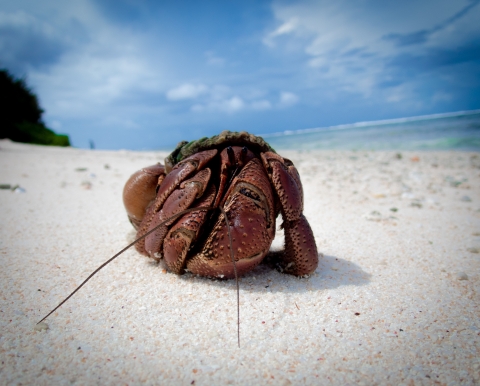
(450, 131)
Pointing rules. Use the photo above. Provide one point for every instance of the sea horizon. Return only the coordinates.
(458, 130)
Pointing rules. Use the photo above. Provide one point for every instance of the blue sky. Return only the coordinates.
(147, 74)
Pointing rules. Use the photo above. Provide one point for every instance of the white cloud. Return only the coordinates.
(222, 98)
(97, 63)
(84, 81)
(261, 105)
(288, 99)
(230, 105)
(287, 27)
(233, 104)
(350, 44)
(215, 98)
(186, 91)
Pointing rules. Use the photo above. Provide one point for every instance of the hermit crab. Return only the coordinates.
(211, 210)
(241, 175)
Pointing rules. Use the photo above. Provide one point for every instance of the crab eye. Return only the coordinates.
(243, 154)
(231, 155)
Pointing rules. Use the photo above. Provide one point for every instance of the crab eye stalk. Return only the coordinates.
(231, 156)
(243, 155)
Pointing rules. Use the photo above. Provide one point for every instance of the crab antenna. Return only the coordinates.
(124, 249)
(235, 271)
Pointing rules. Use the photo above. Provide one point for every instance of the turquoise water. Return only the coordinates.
(452, 131)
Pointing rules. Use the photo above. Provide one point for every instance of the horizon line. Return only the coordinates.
(371, 123)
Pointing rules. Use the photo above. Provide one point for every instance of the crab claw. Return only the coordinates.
(180, 199)
(139, 191)
(181, 171)
(184, 233)
(300, 256)
(168, 185)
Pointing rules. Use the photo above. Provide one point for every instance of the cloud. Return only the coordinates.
(230, 105)
(262, 104)
(214, 98)
(85, 84)
(355, 46)
(96, 77)
(27, 42)
(286, 28)
(422, 36)
(186, 91)
(103, 67)
(221, 98)
(405, 66)
(288, 99)
(91, 75)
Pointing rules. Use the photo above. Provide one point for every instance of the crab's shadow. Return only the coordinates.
(299, 295)
(332, 272)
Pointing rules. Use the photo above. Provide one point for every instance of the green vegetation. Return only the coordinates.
(21, 115)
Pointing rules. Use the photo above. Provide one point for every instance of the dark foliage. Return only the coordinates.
(21, 115)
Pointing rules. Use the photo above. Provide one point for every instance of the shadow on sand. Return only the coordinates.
(332, 272)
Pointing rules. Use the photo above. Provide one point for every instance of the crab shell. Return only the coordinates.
(242, 174)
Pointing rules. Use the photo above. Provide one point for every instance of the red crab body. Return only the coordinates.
(238, 172)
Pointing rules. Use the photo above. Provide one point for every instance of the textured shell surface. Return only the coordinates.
(226, 138)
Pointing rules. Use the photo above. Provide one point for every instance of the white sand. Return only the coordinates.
(386, 306)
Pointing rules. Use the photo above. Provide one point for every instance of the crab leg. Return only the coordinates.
(181, 171)
(249, 207)
(180, 199)
(168, 184)
(231, 158)
(300, 256)
(179, 239)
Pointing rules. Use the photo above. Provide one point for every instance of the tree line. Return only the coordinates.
(21, 114)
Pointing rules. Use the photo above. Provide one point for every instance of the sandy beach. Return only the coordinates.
(395, 299)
